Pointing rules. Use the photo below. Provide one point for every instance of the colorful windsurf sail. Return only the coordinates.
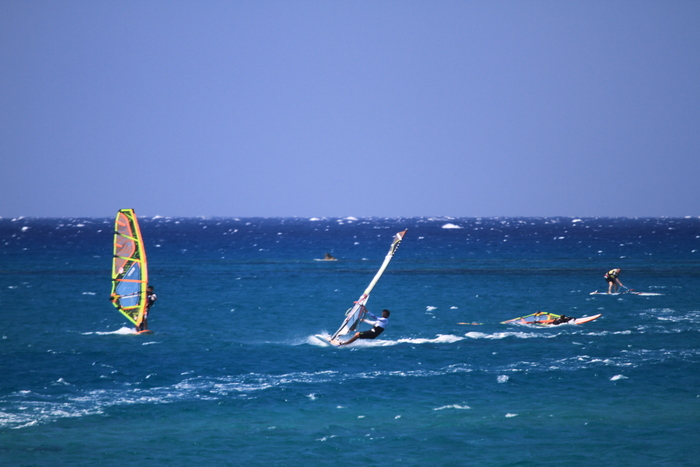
(354, 315)
(547, 319)
(129, 268)
(539, 317)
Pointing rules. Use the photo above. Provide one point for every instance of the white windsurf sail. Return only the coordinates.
(355, 314)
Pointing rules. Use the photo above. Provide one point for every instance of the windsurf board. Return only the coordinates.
(327, 340)
(631, 292)
(585, 319)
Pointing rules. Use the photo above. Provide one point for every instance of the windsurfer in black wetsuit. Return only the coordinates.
(562, 319)
(378, 327)
(150, 300)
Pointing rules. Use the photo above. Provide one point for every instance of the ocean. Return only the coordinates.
(233, 374)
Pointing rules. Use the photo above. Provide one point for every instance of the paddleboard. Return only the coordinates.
(631, 292)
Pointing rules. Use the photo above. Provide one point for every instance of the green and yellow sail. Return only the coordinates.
(129, 268)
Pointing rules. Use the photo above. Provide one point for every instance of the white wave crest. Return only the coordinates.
(504, 335)
(121, 331)
(453, 406)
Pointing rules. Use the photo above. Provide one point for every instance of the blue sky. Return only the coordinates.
(350, 108)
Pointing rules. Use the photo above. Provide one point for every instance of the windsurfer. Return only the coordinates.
(562, 319)
(612, 277)
(329, 257)
(378, 327)
(151, 298)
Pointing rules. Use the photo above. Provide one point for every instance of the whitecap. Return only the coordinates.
(440, 339)
(503, 335)
(511, 415)
(121, 331)
(453, 406)
(618, 377)
(502, 378)
(451, 226)
(430, 308)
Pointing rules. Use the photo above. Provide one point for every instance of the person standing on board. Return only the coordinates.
(150, 300)
(378, 327)
(612, 277)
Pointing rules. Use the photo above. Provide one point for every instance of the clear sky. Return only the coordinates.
(350, 108)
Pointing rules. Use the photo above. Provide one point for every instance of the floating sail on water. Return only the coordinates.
(354, 315)
(535, 318)
(129, 268)
(546, 319)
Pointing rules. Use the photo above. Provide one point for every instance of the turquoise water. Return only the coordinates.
(233, 374)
